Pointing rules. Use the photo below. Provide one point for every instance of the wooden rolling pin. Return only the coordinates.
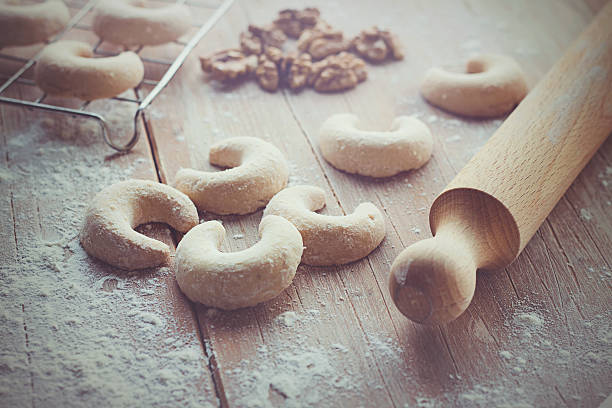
(492, 208)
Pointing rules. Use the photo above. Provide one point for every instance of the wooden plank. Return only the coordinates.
(404, 197)
(535, 334)
(468, 355)
(15, 378)
(497, 317)
(208, 114)
(81, 331)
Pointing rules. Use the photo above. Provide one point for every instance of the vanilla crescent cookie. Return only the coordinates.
(407, 145)
(67, 68)
(131, 23)
(492, 86)
(328, 239)
(231, 280)
(258, 171)
(25, 24)
(108, 231)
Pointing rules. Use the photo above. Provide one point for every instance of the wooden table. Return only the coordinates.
(76, 332)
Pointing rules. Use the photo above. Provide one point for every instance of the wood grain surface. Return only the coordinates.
(499, 199)
(536, 334)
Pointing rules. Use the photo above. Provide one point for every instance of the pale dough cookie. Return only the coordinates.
(259, 170)
(492, 86)
(131, 23)
(328, 239)
(67, 68)
(25, 24)
(407, 145)
(238, 279)
(108, 231)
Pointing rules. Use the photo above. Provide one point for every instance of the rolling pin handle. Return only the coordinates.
(433, 280)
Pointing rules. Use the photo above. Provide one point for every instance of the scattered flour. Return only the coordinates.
(295, 375)
(300, 175)
(298, 373)
(604, 177)
(339, 347)
(432, 119)
(530, 319)
(287, 319)
(536, 350)
(385, 347)
(585, 214)
(453, 138)
(81, 333)
(422, 403)
(77, 332)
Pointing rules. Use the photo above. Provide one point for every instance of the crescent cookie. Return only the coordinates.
(407, 145)
(67, 68)
(492, 86)
(237, 279)
(25, 24)
(258, 171)
(130, 23)
(328, 239)
(108, 230)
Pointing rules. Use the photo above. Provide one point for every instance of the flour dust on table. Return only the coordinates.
(79, 333)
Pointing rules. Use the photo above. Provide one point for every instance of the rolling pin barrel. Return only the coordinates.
(492, 208)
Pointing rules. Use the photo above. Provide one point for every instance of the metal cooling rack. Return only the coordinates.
(143, 103)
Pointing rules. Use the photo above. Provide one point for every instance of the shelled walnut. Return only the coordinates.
(377, 45)
(228, 65)
(250, 44)
(322, 41)
(295, 70)
(258, 38)
(274, 54)
(310, 34)
(293, 22)
(267, 74)
(321, 60)
(337, 73)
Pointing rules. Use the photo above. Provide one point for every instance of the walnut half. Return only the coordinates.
(258, 38)
(337, 73)
(322, 41)
(377, 45)
(267, 74)
(228, 65)
(294, 22)
(295, 70)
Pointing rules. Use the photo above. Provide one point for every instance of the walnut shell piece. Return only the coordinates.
(293, 22)
(377, 45)
(228, 65)
(337, 73)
